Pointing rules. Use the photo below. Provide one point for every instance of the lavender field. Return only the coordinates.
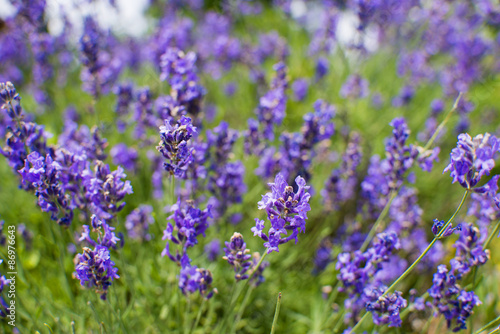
(239, 166)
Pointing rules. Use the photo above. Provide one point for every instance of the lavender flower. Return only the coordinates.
(237, 255)
(257, 277)
(300, 88)
(341, 185)
(95, 269)
(355, 87)
(472, 159)
(212, 249)
(4, 284)
(194, 279)
(138, 221)
(385, 309)
(105, 190)
(43, 174)
(124, 156)
(286, 210)
(174, 145)
(189, 223)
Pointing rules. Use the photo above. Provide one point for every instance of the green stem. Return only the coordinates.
(492, 235)
(276, 313)
(198, 316)
(443, 123)
(242, 308)
(186, 316)
(61, 263)
(381, 217)
(417, 261)
(487, 325)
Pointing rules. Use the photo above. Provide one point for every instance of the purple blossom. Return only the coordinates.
(341, 185)
(385, 310)
(300, 88)
(95, 269)
(286, 210)
(105, 190)
(175, 145)
(194, 279)
(124, 156)
(238, 256)
(189, 223)
(472, 158)
(212, 249)
(44, 175)
(138, 221)
(355, 87)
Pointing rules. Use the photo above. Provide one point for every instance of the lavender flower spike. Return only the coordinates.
(287, 211)
(238, 256)
(174, 145)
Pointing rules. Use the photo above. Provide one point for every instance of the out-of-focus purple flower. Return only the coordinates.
(238, 256)
(194, 279)
(257, 278)
(124, 156)
(212, 249)
(323, 256)
(355, 87)
(300, 88)
(271, 109)
(322, 67)
(138, 221)
(287, 211)
(175, 145)
(404, 97)
(341, 185)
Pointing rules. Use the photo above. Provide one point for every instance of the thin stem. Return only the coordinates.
(242, 308)
(186, 316)
(198, 316)
(443, 123)
(276, 313)
(492, 235)
(417, 261)
(381, 217)
(487, 325)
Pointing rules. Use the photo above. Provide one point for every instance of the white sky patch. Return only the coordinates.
(127, 19)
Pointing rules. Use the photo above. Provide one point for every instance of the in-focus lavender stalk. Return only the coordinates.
(175, 145)
(286, 210)
(94, 267)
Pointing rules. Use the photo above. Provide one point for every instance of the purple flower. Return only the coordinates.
(189, 223)
(472, 158)
(237, 255)
(95, 269)
(385, 310)
(175, 145)
(138, 221)
(194, 279)
(355, 87)
(287, 211)
(212, 249)
(300, 88)
(124, 156)
(45, 176)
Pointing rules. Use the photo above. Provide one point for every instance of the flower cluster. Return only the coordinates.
(472, 159)
(357, 273)
(138, 221)
(237, 255)
(448, 298)
(175, 145)
(286, 210)
(189, 223)
(94, 267)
